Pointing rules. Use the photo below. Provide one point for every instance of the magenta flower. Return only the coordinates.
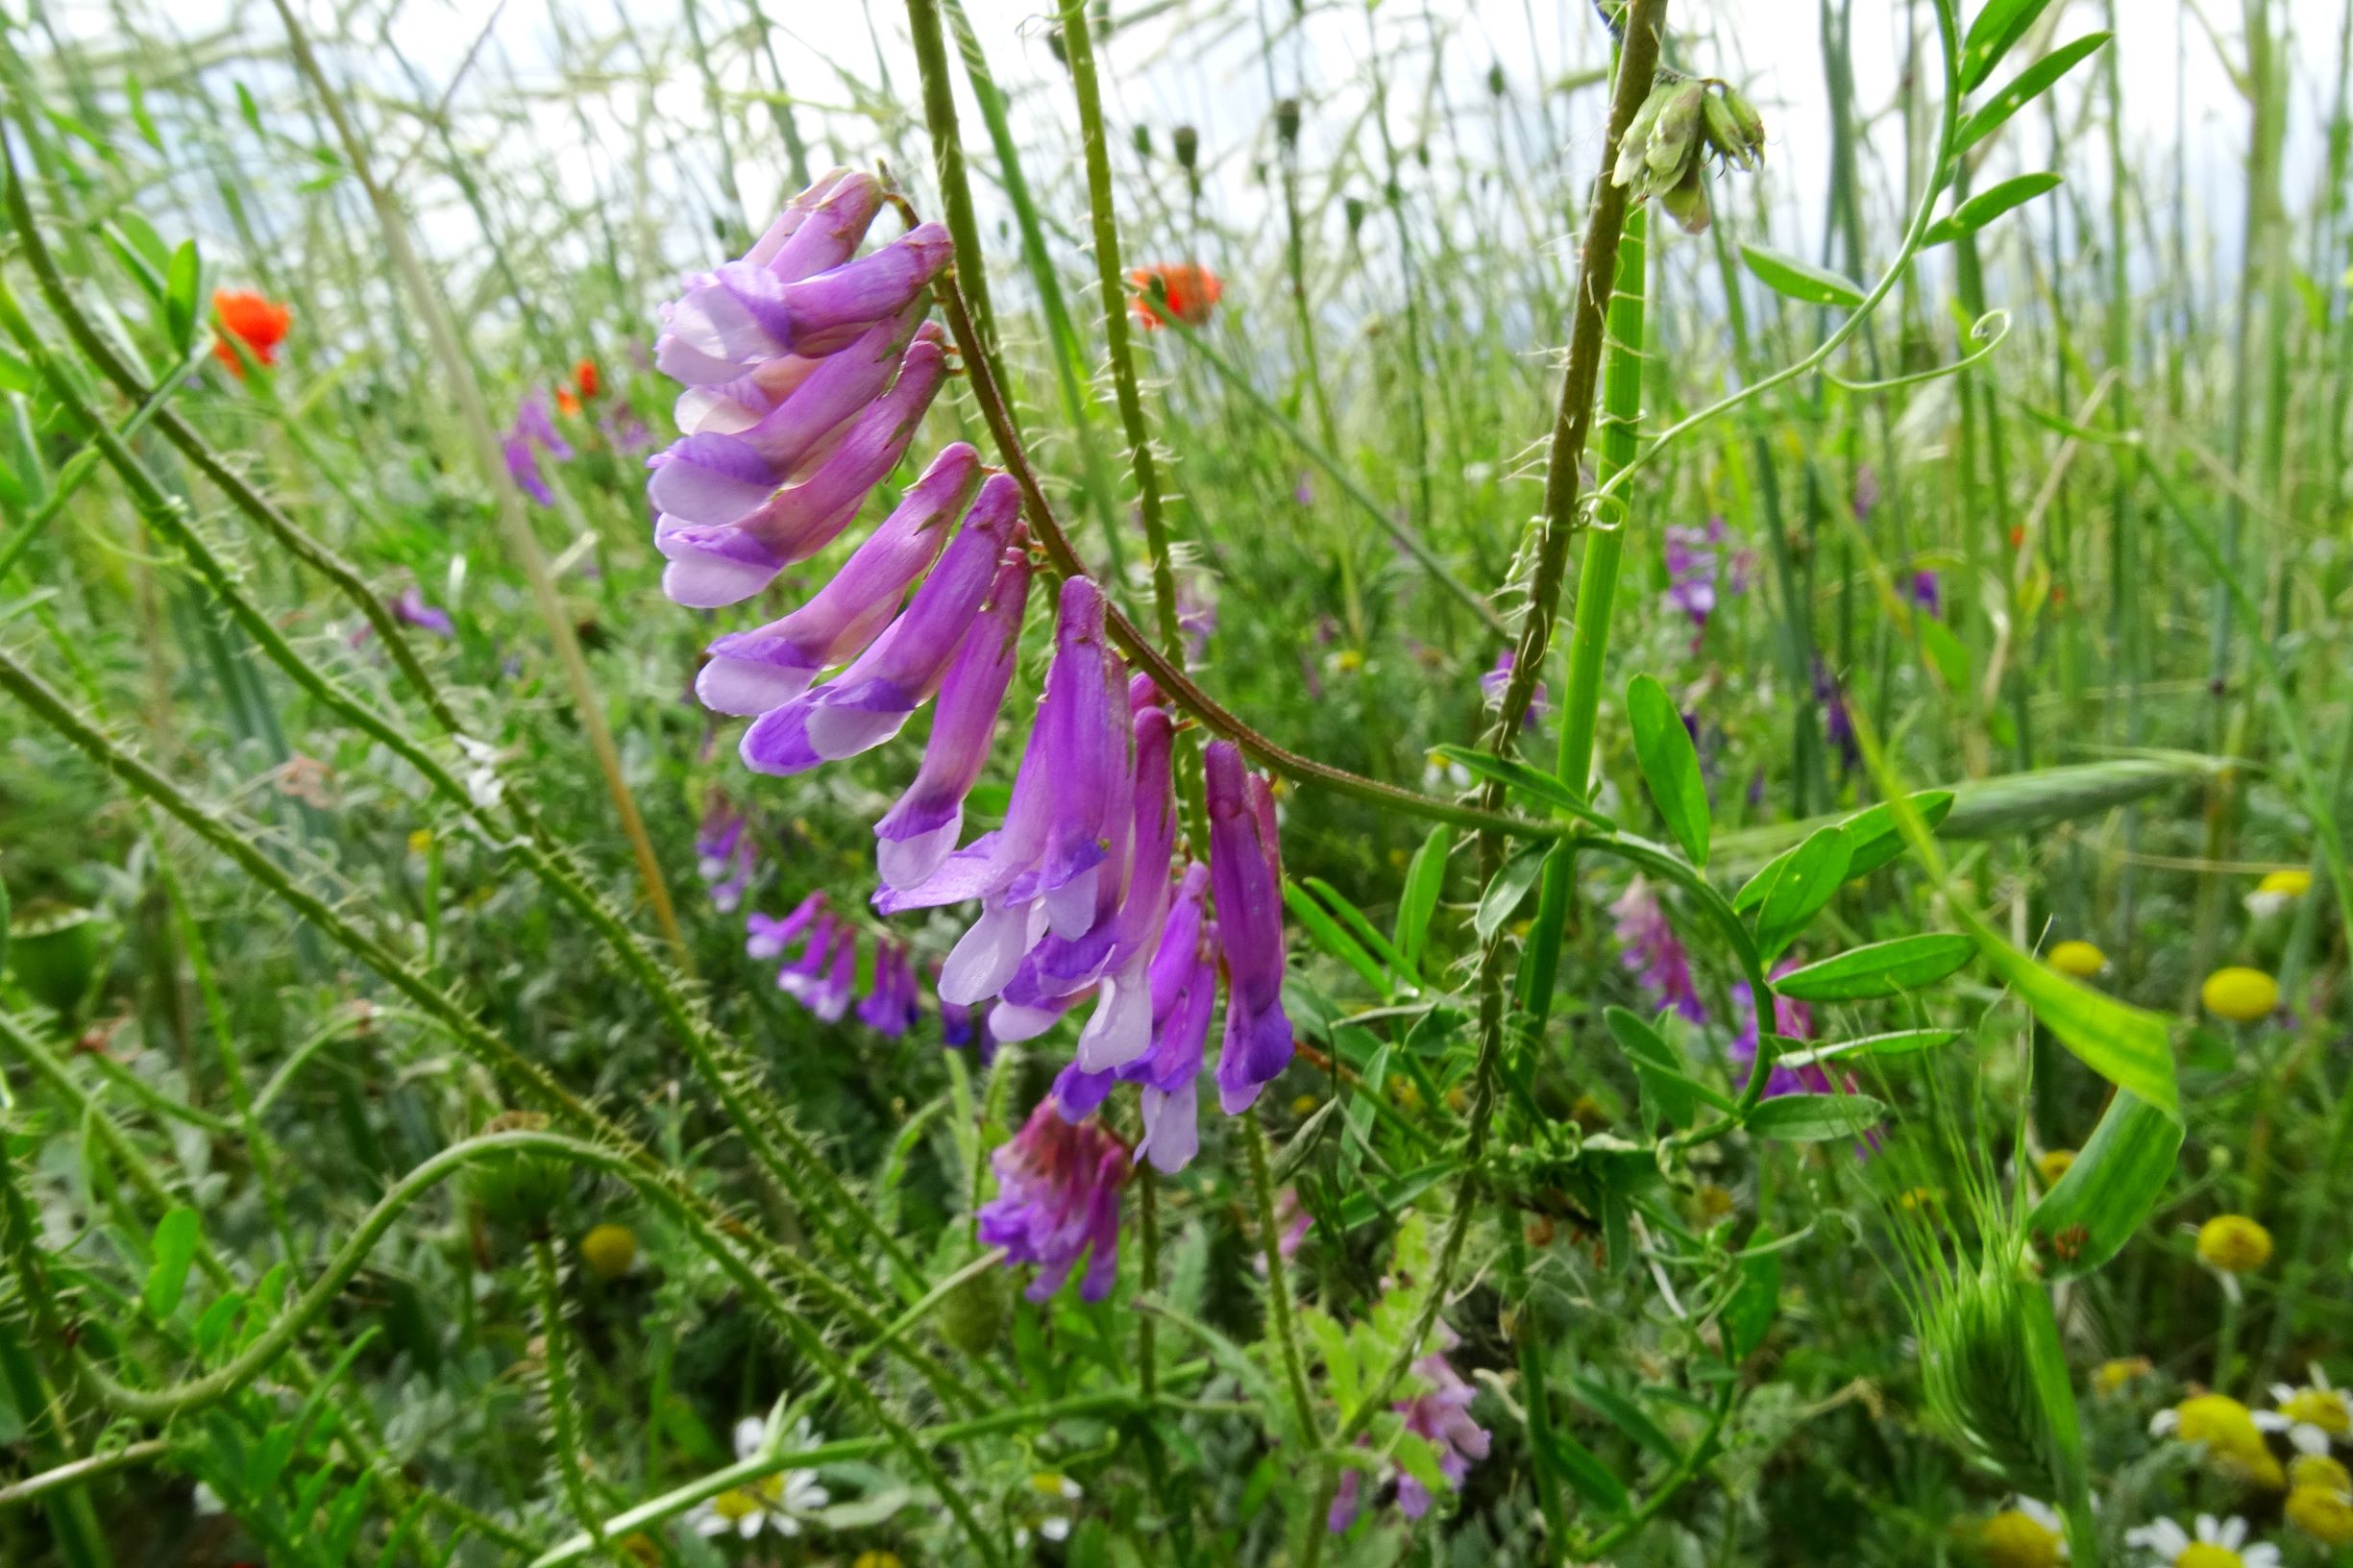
(1246, 875)
(891, 1008)
(1441, 1416)
(1652, 951)
(1699, 567)
(767, 936)
(1058, 1201)
(800, 978)
(411, 609)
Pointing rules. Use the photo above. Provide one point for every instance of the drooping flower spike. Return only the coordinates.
(1058, 1201)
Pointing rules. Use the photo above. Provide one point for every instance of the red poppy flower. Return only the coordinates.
(260, 323)
(588, 378)
(1189, 292)
(567, 402)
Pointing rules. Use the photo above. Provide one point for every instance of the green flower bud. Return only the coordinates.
(1722, 131)
(973, 1317)
(1752, 123)
(1287, 122)
(1677, 131)
(1639, 135)
(1687, 200)
(518, 1186)
(1144, 141)
(1187, 146)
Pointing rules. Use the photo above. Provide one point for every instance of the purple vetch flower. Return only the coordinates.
(799, 978)
(1700, 568)
(1246, 876)
(626, 432)
(1046, 869)
(872, 701)
(741, 315)
(1652, 951)
(409, 608)
(767, 936)
(1493, 683)
(1058, 1201)
(1197, 618)
(920, 830)
(1929, 592)
(889, 1007)
(1121, 1029)
(1441, 1414)
(1837, 724)
(533, 431)
(713, 564)
(723, 854)
(1792, 1020)
(752, 672)
(828, 996)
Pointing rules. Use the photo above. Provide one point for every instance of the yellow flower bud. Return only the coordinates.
(2079, 959)
(2325, 1515)
(2240, 994)
(608, 1251)
(2233, 1245)
(2285, 884)
(2014, 1539)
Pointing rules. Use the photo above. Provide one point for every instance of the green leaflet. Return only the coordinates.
(2110, 1189)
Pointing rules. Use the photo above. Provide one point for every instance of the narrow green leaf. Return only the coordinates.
(1998, 27)
(1812, 873)
(1425, 881)
(1584, 1472)
(1872, 838)
(1986, 206)
(1359, 925)
(174, 1248)
(138, 95)
(1364, 1206)
(1815, 1119)
(2109, 1191)
(1748, 1309)
(1626, 1415)
(1899, 1042)
(1532, 782)
(1800, 279)
(1510, 886)
(1674, 1093)
(1883, 968)
(1328, 935)
(180, 282)
(2025, 88)
(1670, 764)
(2124, 1044)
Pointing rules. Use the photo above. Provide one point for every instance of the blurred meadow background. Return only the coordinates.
(455, 1111)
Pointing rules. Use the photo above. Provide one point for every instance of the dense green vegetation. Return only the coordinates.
(458, 1109)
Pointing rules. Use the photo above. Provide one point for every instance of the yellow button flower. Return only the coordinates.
(609, 1250)
(2079, 959)
(2321, 1471)
(2285, 884)
(2054, 1164)
(2325, 1515)
(2233, 1245)
(2026, 1536)
(2227, 1430)
(2240, 994)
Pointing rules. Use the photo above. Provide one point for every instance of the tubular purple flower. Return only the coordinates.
(1058, 1201)
(752, 672)
(767, 936)
(741, 312)
(1184, 993)
(1043, 869)
(890, 1007)
(1246, 875)
(716, 564)
(919, 832)
(872, 701)
(1121, 1029)
(799, 978)
(821, 228)
(411, 609)
(830, 997)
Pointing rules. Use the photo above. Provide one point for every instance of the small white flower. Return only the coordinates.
(770, 1502)
(483, 786)
(2166, 1543)
(2313, 1417)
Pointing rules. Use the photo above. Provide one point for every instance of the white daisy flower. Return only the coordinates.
(770, 1502)
(2028, 1533)
(2219, 1543)
(2313, 1417)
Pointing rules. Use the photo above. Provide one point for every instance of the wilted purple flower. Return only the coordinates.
(1929, 592)
(1836, 722)
(872, 701)
(1493, 683)
(1650, 948)
(1058, 1201)
(723, 854)
(1246, 875)
(1698, 568)
(752, 672)
(532, 431)
(920, 830)
(767, 936)
(1046, 869)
